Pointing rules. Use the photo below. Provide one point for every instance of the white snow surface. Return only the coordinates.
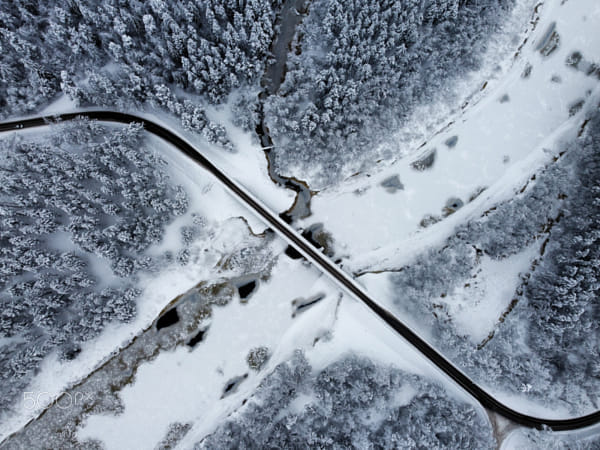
(358, 331)
(247, 165)
(352, 329)
(186, 386)
(476, 307)
(474, 312)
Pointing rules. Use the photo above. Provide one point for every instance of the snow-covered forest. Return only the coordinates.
(556, 358)
(361, 67)
(78, 212)
(125, 54)
(352, 403)
(358, 69)
(443, 154)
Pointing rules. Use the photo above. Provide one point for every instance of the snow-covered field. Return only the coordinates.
(513, 130)
(247, 165)
(476, 307)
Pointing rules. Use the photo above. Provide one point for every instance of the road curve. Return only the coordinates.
(342, 279)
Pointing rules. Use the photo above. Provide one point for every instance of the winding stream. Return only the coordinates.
(291, 15)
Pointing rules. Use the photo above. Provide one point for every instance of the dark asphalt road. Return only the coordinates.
(324, 263)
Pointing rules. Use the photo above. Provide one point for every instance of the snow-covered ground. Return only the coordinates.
(500, 139)
(477, 307)
(474, 308)
(474, 311)
(247, 165)
(517, 126)
(187, 386)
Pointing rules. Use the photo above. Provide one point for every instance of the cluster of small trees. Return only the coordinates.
(352, 403)
(77, 214)
(557, 316)
(363, 67)
(128, 52)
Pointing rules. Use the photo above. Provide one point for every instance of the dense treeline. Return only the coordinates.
(123, 53)
(549, 344)
(358, 70)
(361, 69)
(352, 403)
(77, 214)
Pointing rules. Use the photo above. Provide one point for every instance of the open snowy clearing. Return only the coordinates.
(476, 308)
(247, 165)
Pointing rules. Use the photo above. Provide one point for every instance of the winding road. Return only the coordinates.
(343, 280)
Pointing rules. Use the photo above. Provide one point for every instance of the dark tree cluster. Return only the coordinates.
(125, 53)
(77, 215)
(549, 344)
(352, 403)
(363, 66)
(564, 290)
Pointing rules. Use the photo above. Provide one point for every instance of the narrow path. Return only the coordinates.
(339, 277)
